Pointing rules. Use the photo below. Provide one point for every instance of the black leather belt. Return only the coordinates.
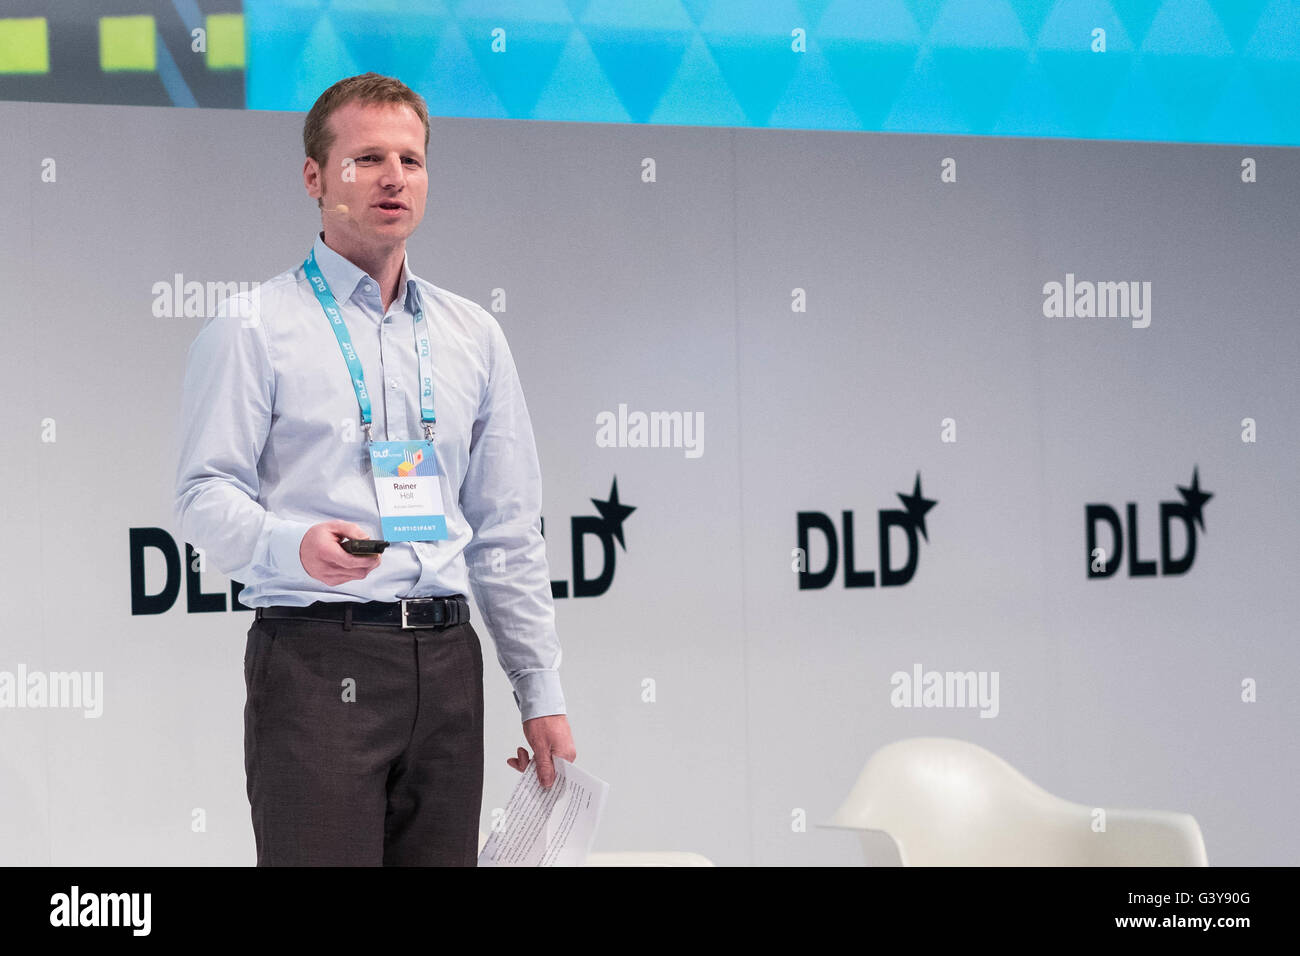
(406, 613)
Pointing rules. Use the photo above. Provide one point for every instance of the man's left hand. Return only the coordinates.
(548, 736)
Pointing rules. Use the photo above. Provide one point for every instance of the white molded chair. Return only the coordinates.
(633, 858)
(949, 802)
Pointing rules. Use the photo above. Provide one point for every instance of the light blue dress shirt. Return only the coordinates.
(271, 444)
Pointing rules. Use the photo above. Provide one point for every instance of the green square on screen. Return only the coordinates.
(24, 45)
(127, 43)
(225, 41)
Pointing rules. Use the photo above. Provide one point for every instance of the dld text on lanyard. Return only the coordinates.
(330, 305)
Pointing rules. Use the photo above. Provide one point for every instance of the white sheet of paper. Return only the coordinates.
(553, 827)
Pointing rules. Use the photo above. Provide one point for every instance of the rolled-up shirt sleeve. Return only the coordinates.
(501, 498)
(225, 418)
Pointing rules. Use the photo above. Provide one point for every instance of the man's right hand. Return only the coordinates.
(324, 558)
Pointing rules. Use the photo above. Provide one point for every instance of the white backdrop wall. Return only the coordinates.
(923, 320)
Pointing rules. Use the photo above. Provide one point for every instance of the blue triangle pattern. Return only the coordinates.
(639, 63)
(1277, 32)
(1032, 104)
(812, 12)
(451, 82)
(870, 75)
(812, 99)
(1194, 30)
(1238, 18)
(1070, 27)
(1086, 85)
(698, 95)
(924, 13)
(1136, 15)
(756, 76)
(579, 90)
(1186, 83)
(978, 82)
(395, 44)
(1226, 119)
(886, 21)
(978, 24)
(772, 20)
(519, 74)
(643, 14)
(925, 100)
(1190, 70)
(697, 10)
(1033, 14)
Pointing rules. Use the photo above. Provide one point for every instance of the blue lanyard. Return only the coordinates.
(335, 316)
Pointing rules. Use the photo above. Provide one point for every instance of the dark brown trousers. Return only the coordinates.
(363, 746)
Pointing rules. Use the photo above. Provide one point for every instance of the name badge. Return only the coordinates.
(410, 496)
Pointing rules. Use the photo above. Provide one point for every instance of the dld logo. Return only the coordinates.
(909, 520)
(196, 599)
(1187, 511)
(606, 528)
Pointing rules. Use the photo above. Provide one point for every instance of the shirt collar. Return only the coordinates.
(344, 275)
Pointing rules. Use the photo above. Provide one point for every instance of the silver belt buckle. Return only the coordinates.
(405, 601)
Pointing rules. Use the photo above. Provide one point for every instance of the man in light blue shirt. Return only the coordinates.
(275, 472)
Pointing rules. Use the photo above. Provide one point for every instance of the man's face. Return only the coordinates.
(375, 168)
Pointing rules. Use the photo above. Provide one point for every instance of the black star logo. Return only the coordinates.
(614, 513)
(917, 506)
(1195, 498)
